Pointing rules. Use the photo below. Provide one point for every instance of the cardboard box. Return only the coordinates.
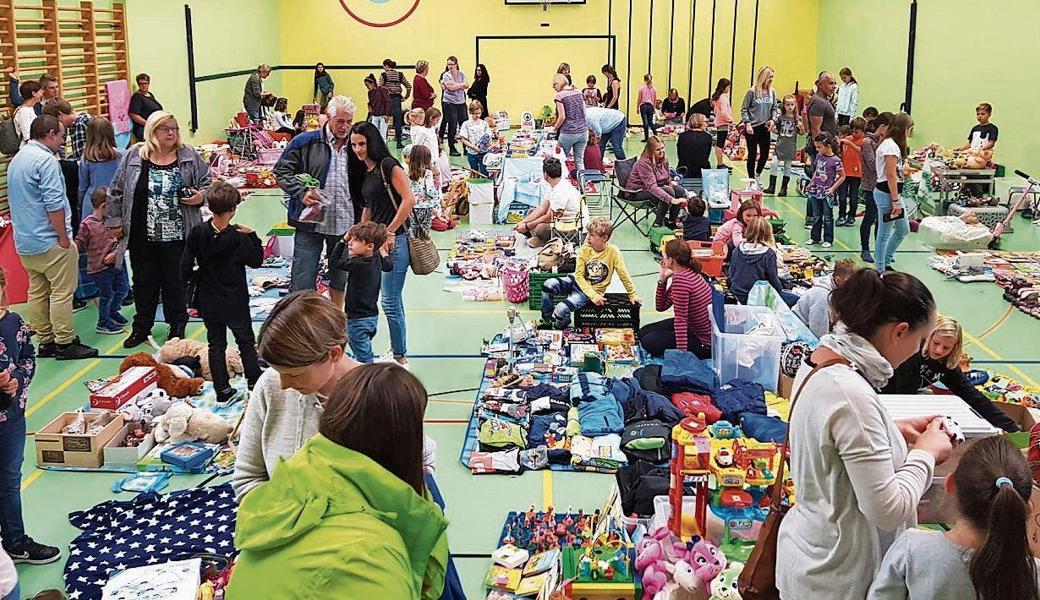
(785, 387)
(131, 383)
(1025, 417)
(57, 449)
(118, 455)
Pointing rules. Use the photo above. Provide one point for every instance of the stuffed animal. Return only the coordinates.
(685, 585)
(176, 387)
(145, 409)
(724, 587)
(176, 348)
(658, 552)
(707, 560)
(184, 423)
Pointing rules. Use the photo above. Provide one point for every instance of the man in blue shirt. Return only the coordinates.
(42, 220)
(608, 125)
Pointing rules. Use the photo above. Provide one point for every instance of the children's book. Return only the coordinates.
(531, 586)
(510, 556)
(542, 562)
(503, 578)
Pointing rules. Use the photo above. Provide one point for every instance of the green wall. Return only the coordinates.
(229, 35)
(967, 52)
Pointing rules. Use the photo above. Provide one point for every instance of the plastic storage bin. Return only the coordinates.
(739, 354)
(711, 255)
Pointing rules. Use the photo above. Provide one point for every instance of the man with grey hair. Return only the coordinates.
(321, 214)
(254, 92)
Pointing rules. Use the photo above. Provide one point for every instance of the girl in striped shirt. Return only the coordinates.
(689, 296)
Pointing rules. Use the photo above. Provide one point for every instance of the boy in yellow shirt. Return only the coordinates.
(597, 262)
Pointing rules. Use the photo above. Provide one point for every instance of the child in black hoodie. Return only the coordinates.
(696, 227)
(222, 252)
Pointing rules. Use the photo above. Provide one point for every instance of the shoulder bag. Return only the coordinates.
(758, 579)
(422, 252)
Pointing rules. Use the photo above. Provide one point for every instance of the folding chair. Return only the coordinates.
(635, 206)
(601, 206)
(572, 230)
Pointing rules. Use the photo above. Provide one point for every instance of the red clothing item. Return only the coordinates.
(378, 103)
(852, 157)
(693, 404)
(690, 296)
(422, 93)
(97, 240)
(593, 157)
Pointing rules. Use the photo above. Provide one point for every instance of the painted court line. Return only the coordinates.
(547, 489)
(1025, 378)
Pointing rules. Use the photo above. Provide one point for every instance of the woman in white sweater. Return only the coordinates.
(858, 485)
(304, 340)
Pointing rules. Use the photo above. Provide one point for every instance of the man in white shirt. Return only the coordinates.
(561, 203)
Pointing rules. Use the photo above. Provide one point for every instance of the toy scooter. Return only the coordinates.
(1028, 192)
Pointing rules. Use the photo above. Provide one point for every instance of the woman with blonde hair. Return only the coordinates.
(100, 161)
(939, 362)
(652, 175)
(758, 113)
(755, 259)
(156, 196)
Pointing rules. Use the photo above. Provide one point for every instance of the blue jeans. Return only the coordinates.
(476, 162)
(360, 331)
(823, 218)
(112, 285)
(789, 298)
(12, 451)
(575, 142)
(889, 235)
(616, 137)
(562, 286)
(452, 584)
(392, 300)
(381, 125)
(307, 246)
(646, 112)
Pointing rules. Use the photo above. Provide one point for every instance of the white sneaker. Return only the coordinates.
(388, 357)
(825, 245)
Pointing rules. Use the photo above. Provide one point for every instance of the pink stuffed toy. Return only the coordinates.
(650, 562)
(707, 560)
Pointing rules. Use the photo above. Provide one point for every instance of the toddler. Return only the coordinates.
(104, 265)
(852, 164)
(427, 195)
(696, 227)
(828, 175)
(222, 252)
(476, 136)
(788, 126)
(597, 262)
(356, 254)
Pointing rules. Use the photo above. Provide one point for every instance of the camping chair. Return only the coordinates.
(601, 206)
(635, 206)
(572, 230)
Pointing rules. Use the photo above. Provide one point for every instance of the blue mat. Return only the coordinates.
(259, 306)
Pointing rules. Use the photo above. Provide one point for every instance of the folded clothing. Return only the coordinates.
(547, 404)
(601, 453)
(506, 461)
(588, 386)
(738, 397)
(683, 369)
(639, 482)
(555, 425)
(763, 428)
(601, 416)
(692, 404)
(518, 412)
(649, 440)
(497, 434)
(638, 404)
(545, 390)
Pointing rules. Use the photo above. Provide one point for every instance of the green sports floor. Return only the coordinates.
(444, 338)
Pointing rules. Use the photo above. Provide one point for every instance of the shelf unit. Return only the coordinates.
(84, 46)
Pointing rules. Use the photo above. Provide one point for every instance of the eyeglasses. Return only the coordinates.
(166, 129)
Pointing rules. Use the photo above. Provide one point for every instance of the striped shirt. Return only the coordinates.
(393, 82)
(690, 297)
(339, 215)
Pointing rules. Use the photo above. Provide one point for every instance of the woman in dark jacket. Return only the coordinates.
(155, 198)
(323, 86)
(479, 90)
(938, 362)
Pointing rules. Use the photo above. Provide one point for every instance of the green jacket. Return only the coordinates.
(331, 523)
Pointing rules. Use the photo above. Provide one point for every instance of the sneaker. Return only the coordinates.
(454, 153)
(808, 225)
(78, 305)
(227, 396)
(129, 300)
(74, 350)
(33, 553)
(812, 242)
(825, 245)
(119, 318)
(110, 329)
(46, 350)
(866, 256)
(135, 339)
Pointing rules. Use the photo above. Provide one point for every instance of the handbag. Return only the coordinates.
(551, 255)
(758, 579)
(422, 252)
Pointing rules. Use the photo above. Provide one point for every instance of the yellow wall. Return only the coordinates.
(521, 70)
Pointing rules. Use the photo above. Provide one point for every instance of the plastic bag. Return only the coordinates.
(952, 233)
(716, 187)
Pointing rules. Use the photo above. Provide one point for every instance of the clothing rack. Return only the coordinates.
(83, 46)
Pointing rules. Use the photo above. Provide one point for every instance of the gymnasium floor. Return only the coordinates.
(444, 338)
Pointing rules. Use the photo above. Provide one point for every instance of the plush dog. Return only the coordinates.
(184, 423)
(177, 348)
(176, 387)
(145, 409)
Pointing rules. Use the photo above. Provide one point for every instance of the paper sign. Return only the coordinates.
(119, 105)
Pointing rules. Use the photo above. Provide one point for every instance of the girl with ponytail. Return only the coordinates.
(986, 556)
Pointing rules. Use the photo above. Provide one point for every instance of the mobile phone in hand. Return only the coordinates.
(888, 217)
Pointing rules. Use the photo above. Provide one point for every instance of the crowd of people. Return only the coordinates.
(326, 427)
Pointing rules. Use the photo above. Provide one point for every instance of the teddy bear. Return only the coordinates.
(183, 423)
(176, 348)
(169, 381)
(145, 409)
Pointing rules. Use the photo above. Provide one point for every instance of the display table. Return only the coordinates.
(951, 181)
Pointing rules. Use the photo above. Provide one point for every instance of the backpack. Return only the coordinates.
(10, 141)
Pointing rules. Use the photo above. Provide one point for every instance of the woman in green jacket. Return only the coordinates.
(323, 86)
(334, 519)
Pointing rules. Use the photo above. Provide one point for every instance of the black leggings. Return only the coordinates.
(869, 220)
(667, 208)
(156, 269)
(454, 116)
(757, 148)
(657, 337)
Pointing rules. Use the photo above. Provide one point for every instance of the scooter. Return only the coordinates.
(1027, 193)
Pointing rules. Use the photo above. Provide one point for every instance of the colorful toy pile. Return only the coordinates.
(475, 261)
